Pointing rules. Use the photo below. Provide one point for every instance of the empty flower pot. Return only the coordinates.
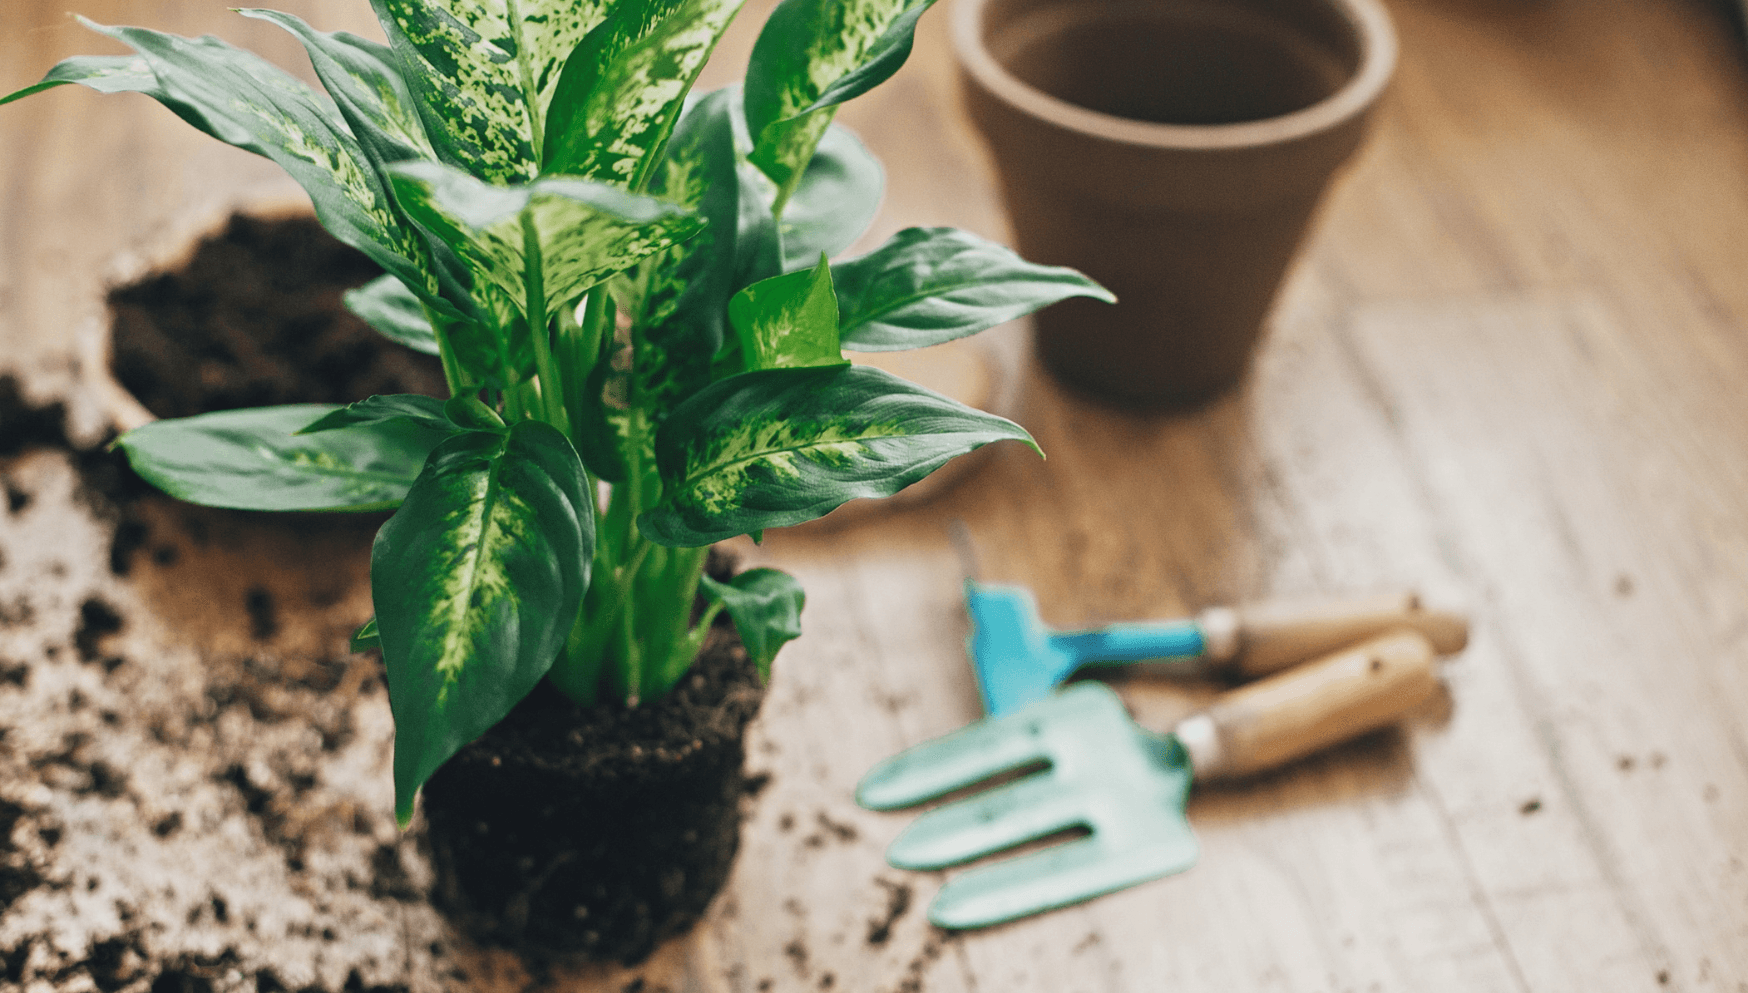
(1174, 150)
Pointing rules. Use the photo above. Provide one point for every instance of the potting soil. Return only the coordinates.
(255, 318)
(599, 830)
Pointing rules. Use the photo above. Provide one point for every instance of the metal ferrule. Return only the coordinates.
(1219, 634)
(1201, 741)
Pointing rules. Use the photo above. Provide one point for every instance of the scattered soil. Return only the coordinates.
(898, 898)
(598, 830)
(127, 767)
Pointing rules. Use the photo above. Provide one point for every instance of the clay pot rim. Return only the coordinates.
(1378, 48)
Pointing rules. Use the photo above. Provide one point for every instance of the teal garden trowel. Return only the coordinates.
(1124, 785)
(1019, 660)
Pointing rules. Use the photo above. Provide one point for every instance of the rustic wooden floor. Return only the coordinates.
(1512, 371)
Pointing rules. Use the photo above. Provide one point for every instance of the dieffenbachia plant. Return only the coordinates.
(630, 293)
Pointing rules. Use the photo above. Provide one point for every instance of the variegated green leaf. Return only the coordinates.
(789, 322)
(811, 56)
(931, 285)
(364, 80)
(373, 410)
(685, 292)
(836, 200)
(585, 231)
(244, 101)
(765, 605)
(477, 580)
(781, 446)
(485, 71)
(395, 312)
(784, 150)
(255, 460)
(624, 87)
(568, 142)
(103, 73)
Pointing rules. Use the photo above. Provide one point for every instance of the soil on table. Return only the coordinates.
(599, 830)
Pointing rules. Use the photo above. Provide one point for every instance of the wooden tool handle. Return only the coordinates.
(1299, 711)
(1271, 637)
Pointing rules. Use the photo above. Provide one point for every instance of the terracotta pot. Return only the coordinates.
(1176, 151)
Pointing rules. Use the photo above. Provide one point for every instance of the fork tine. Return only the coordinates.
(965, 757)
(986, 748)
(1057, 877)
(990, 822)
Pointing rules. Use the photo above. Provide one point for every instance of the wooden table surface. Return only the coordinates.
(1510, 371)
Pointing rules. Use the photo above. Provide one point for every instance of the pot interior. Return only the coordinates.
(1177, 61)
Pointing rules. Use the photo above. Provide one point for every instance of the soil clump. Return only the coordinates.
(255, 318)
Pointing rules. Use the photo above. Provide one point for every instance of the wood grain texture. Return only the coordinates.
(1511, 372)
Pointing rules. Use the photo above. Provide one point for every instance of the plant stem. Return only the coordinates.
(514, 409)
(453, 375)
(577, 353)
(534, 283)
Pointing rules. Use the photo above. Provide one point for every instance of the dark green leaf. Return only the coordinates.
(765, 605)
(366, 637)
(489, 347)
(413, 407)
(623, 88)
(485, 72)
(477, 580)
(781, 446)
(387, 305)
(931, 285)
(837, 199)
(470, 414)
(254, 460)
(758, 247)
(789, 322)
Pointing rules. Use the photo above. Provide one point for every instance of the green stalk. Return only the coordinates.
(453, 374)
(677, 638)
(514, 408)
(579, 350)
(534, 283)
(631, 658)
